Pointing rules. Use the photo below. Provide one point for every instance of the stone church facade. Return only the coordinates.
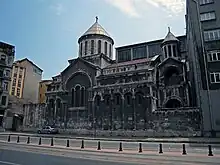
(147, 87)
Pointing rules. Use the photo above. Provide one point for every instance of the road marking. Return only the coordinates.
(9, 163)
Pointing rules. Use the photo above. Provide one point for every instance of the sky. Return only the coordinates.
(47, 31)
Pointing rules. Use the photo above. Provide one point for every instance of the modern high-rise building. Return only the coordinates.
(203, 33)
(25, 80)
(7, 53)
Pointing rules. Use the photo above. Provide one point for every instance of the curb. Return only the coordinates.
(122, 140)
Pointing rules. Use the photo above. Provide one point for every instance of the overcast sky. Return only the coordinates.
(46, 31)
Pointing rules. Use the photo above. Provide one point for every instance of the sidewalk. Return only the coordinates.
(198, 140)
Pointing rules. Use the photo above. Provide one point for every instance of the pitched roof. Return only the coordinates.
(170, 37)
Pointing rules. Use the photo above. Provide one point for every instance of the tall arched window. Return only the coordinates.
(99, 46)
(73, 92)
(174, 51)
(106, 48)
(110, 50)
(82, 96)
(81, 48)
(77, 96)
(92, 46)
(86, 47)
(169, 51)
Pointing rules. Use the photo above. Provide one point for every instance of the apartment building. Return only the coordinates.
(25, 80)
(203, 33)
(42, 90)
(7, 53)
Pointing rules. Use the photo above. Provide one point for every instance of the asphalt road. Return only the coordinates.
(114, 145)
(18, 154)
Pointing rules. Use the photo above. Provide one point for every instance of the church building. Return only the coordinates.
(146, 86)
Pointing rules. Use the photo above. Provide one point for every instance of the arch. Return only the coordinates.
(117, 98)
(76, 74)
(128, 98)
(171, 75)
(139, 97)
(97, 100)
(107, 99)
(173, 102)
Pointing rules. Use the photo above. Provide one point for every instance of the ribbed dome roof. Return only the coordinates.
(96, 28)
(170, 37)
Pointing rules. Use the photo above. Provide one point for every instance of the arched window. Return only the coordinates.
(128, 99)
(99, 46)
(82, 96)
(92, 46)
(169, 51)
(110, 51)
(117, 100)
(165, 51)
(174, 51)
(106, 48)
(81, 47)
(77, 96)
(139, 99)
(73, 92)
(86, 47)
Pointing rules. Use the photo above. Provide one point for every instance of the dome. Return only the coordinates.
(170, 37)
(96, 28)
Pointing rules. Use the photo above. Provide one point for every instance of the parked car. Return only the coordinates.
(48, 130)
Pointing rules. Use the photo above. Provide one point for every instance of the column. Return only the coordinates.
(102, 102)
(172, 54)
(134, 112)
(55, 109)
(110, 113)
(122, 111)
(65, 114)
(93, 115)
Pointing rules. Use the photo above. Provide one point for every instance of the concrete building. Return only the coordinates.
(25, 80)
(148, 87)
(42, 90)
(7, 53)
(203, 37)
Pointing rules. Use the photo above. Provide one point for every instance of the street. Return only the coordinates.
(23, 154)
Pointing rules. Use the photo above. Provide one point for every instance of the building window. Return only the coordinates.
(3, 57)
(18, 92)
(82, 97)
(169, 51)
(5, 86)
(174, 51)
(110, 50)
(165, 51)
(106, 48)
(4, 100)
(128, 98)
(13, 91)
(214, 56)
(7, 73)
(16, 69)
(139, 99)
(73, 92)
(20, 71)
(207, 16)
(124, 55)
(212, 35)
(81, 47)
(117, 100)
(139, 52)
(14, 82)
(86, 47)
(203, 2)
(77, 98)
(215, 77)
(92, 46)
(19, 83)
(99, 46)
